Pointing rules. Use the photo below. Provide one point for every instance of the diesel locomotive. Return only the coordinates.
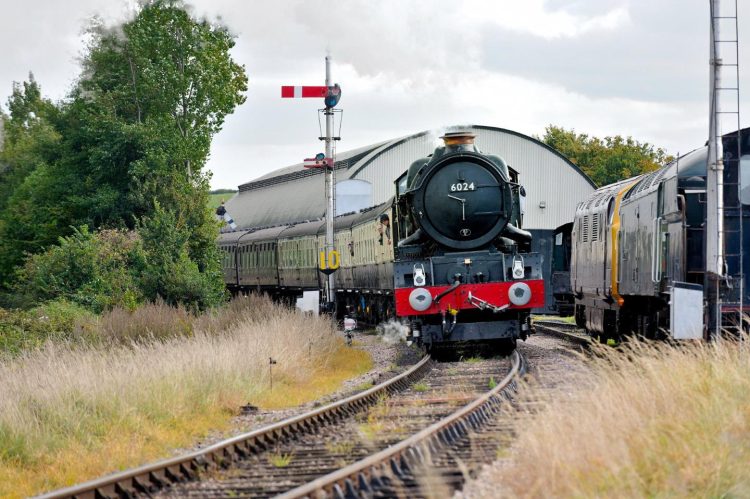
(447, 256)
(639, 243)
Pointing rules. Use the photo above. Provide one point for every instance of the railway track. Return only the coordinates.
(156, 476)
(564, 330)
(379, 442)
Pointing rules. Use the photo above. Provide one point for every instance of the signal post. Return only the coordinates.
(331, 93)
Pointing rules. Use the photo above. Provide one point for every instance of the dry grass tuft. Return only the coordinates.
(148, 321)
(69, 413)
(655, 421)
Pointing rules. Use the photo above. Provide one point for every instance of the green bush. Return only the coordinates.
(175, 272)
(59, 320)
(96, 271)
(115, 268)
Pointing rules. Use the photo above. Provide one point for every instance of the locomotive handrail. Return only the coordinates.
(656, 251)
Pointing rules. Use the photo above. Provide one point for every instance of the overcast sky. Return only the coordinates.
(637, 67)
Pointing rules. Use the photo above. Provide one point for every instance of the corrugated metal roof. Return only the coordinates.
(294, 194)
(344, 161)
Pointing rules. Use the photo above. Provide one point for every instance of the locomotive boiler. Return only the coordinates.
(464, 271)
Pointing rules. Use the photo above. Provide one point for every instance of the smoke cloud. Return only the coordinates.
(392, 332)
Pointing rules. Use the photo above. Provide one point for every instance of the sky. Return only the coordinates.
(601, 67)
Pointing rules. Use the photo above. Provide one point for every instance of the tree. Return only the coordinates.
(167, 81)
(170, 273)
(30, 144)
(605, 160)
(134, 135)
(28, 136)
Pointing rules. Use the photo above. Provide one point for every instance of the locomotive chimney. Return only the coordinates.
(463, 137)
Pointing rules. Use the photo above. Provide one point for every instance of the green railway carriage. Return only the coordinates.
(284, 260)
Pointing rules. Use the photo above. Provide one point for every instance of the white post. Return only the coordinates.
(714, 184)
(330, 291)
(715, 172)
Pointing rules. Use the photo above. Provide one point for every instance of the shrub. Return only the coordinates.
(95, 271)
(172, 273)
(22, 330)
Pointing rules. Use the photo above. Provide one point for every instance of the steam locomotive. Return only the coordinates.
(637, 263)
(464, 270)
(447, 255)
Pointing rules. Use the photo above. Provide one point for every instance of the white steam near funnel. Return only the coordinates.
(392, 332)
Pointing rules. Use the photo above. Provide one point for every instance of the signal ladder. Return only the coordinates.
(725, 108)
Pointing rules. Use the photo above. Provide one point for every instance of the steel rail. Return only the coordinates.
(364, 476)
(152, 477)
(562, 330)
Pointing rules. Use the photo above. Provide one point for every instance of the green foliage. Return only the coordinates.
(170, 274)
(22, 330)
(280, 460)
(28, 137)
(133, 135)
(115, 268)
(96, 271)
(606, 160)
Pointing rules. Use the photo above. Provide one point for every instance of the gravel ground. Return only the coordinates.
(389, 359)
(556, 371)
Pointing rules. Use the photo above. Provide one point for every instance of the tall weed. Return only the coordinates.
(72, 411)
(655, 421)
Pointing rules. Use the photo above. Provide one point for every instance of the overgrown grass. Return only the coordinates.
(71, 412)
(657, 421)
(280, 460)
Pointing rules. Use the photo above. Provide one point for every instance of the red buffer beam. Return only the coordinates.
(296, 92)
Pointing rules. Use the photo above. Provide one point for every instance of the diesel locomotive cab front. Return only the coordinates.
(464, 271)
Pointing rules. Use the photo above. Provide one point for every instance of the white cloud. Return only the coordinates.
(536, 18)
(407, 66)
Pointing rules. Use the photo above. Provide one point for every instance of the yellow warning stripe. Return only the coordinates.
(615, 240)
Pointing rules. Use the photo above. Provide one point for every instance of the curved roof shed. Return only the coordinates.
(553, 184)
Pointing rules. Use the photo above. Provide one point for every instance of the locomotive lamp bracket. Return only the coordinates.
(419, 275)
(517, 269)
